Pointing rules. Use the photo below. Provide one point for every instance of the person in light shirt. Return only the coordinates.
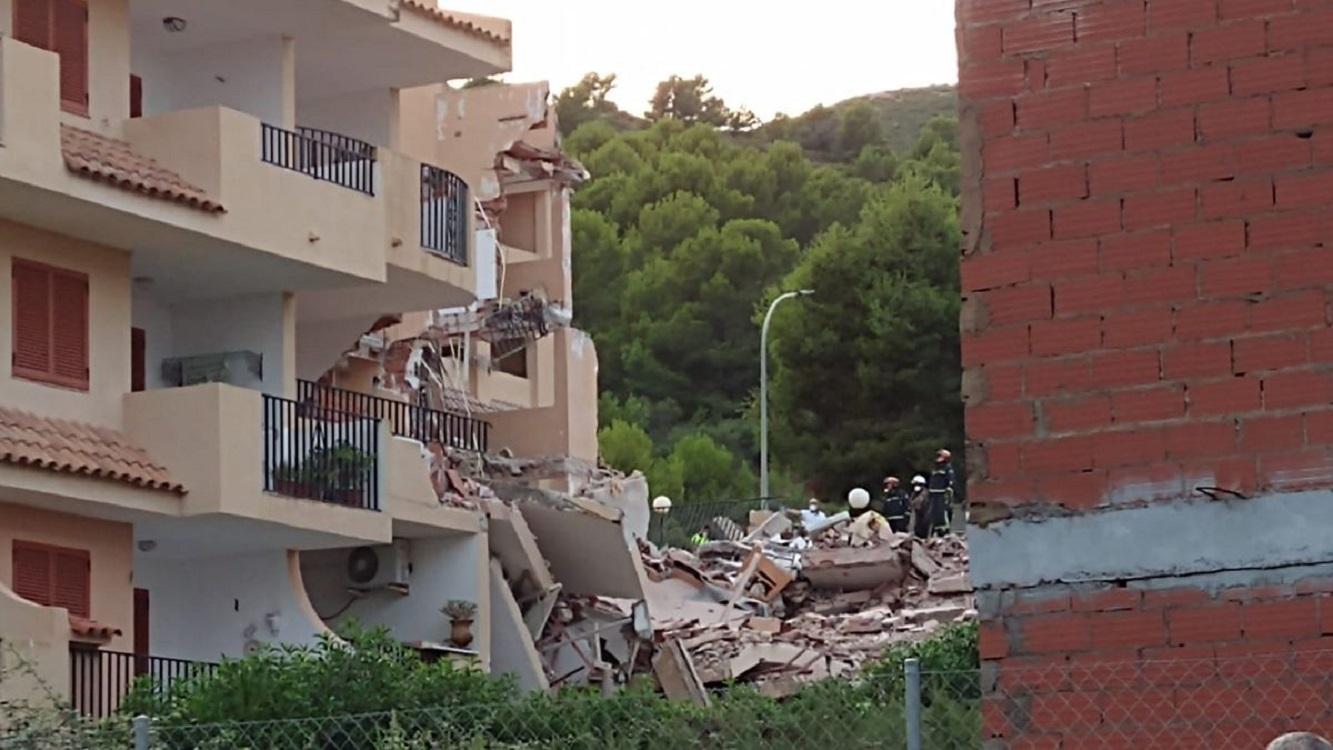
(813, 514)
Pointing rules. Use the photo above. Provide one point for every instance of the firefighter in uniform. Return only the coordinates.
(942, 490)
(895, 505)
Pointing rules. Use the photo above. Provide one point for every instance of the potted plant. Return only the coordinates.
(293, 480)
(344, 471)
(462, 614)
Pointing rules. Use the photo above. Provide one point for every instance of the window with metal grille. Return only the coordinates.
(50, 324)
(54, 576)
(60, 26)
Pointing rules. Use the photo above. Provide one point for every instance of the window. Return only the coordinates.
(60, 26)
(50, 324)
(54, 576)
(511, 356)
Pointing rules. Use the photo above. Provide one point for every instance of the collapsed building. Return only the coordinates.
(760, 609)
(579, 595)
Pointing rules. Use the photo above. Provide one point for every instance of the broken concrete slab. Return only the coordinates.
(770, 654)
(764, 624)
(512, 541)
(958, 583)
(945, 613)
(923, 561)
(853, 568)
(769, 576)
(512, 649)
(676, 674)
(588, 553)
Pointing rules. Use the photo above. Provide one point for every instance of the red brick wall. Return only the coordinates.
(1180, 668)
(1145, 271)
(1148, 200)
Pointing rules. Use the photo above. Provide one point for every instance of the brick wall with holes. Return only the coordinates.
(1148, 214)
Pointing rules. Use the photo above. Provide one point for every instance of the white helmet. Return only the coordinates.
(918, 479)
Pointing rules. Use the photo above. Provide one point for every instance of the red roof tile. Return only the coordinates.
(435, 13)
(79, 448)
(106, 159)
(86, 628)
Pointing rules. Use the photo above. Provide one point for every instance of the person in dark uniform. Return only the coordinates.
(894, 504)
(942, 490)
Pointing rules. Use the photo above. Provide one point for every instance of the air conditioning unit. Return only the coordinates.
(385, 566)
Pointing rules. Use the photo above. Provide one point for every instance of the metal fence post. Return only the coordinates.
(141, 725)
(912, 688)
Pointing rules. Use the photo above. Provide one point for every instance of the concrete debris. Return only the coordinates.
(677, 675)
(768, 612)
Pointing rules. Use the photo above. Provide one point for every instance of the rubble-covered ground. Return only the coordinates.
(760, 605)
(760, 610)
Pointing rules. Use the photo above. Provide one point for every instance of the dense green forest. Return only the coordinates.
(697, 216)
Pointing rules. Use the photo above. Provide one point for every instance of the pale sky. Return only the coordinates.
(768, 56)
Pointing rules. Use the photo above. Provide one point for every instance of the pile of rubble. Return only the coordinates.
(778, 609)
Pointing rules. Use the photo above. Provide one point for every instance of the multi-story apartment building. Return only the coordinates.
(531, 375)
(202, 206)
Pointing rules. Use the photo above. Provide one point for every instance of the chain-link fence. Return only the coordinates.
(1208, 702)
(721, 519)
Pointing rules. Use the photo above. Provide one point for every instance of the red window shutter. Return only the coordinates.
(32, 573)
(70, 38)
(32, 320)
(136, 96)
(69, 328)
(32, 22)
(73, 582)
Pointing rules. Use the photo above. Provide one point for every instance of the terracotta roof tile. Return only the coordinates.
(86, 628)
(106, 159)
(444, 17)
(79, 448)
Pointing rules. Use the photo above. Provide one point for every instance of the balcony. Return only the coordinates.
(321, 154)
(99, 680)
(444, 213)
(287, 474)
(320, 453)
(420, 423)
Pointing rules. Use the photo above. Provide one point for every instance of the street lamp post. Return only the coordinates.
(661, 506)
(763, 391)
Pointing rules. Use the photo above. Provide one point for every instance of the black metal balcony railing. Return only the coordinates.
(320, 453)
(444, 212)
(99, 680)
(323, 155)
(405, 420)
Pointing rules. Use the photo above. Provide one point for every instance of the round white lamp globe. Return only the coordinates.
(858, 499)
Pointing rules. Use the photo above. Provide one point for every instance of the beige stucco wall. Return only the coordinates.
(211, 437)
(569, 426)
(34, 651)
(109, 46)
(463, 130)
(109, 64)
(109, 326)
(319, 223)
(110, 546)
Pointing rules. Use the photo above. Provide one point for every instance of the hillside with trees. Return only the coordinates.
(697, 216)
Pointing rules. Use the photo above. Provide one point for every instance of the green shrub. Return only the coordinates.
(371, 693)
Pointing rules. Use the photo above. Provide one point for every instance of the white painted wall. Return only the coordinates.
(320, 343)
(442, 568)
(200, 608)
(368, 115)
(252, 323)
(248, 76)
(512, 650)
